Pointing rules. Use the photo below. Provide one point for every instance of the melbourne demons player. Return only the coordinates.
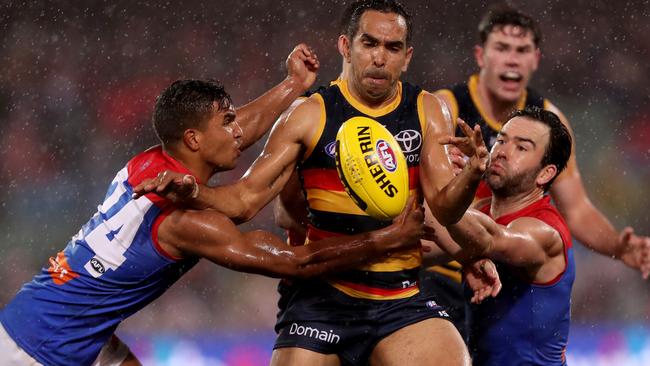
(528, 322)
(132, 249)
(507, 56)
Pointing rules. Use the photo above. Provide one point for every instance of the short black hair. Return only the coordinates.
(560, 143)
(354, 11)
(502, 15)
(187, 104)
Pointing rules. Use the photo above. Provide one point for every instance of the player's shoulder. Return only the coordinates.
(541, 231)
(150, 162)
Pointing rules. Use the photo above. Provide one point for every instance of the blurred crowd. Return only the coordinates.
(78, 81)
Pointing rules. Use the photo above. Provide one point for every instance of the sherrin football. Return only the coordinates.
(372, 167)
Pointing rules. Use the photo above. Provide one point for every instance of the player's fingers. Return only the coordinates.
(496, 288)
(467, 131)
(626, 234)
(478, 136)
(452, 140)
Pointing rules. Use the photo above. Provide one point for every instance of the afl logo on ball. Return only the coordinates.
(386, 156)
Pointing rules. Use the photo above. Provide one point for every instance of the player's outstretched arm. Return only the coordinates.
(590, 226)
(448, 196)
(257, 117)
(211, 235)
(525, 242)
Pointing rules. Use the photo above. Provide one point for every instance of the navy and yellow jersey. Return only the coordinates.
(466, 104)
(331, 210)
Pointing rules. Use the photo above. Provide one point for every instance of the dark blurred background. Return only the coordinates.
(78, 80)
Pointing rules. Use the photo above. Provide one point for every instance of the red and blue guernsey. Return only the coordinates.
(111, 269)
(527, 323)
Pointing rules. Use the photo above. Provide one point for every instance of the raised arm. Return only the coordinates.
(448, 196)
(257, 117)
(590, 226)
(212, 235)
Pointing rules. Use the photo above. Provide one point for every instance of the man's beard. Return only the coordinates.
(508, 186)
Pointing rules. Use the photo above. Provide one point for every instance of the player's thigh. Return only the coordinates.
(116, 353)
(293, 356)
(429, 342)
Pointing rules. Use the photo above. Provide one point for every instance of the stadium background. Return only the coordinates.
(78, 81)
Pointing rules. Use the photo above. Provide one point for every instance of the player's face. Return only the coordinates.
(507, 61)
(378, 54)
(221, 140)
(516, 156)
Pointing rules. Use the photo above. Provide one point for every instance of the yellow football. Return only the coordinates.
(372, 167)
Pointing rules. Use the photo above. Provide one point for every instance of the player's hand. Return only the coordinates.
(174, 186)
(634, 251)
(483, 278)
(410, 225)
(302, 65)
(457, 159)
(471, 145)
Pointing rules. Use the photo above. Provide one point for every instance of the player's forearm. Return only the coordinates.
(257, 117)
(474, 236)
(341, 253)
(449, 205)
(589, 226)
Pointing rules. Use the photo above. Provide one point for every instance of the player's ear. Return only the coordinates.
(478, 55)
(343, 45)
(409, 55)
(546, 174)
(191, 139)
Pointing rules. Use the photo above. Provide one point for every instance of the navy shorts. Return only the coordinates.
(449, 294)
(316, 316)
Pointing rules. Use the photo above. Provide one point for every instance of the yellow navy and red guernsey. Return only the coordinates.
(111, 269)
(333, 212)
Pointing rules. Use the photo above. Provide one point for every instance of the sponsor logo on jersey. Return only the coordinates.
(97, 265)
(409, 140)
(432, 304)
(60, 270)
(330, 149)
(312, 332)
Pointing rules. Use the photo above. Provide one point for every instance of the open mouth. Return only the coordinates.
(511, 76)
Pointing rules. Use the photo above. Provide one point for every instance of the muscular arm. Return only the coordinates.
(290, 210)
(210, 234)
(526, 242)
(256, 117)
(448, 196)
(590, 226)
(265, 178)
(586, 222)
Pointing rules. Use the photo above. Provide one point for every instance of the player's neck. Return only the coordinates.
(507, 204)
(198, 167)
(495, 108)
(354, 88)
